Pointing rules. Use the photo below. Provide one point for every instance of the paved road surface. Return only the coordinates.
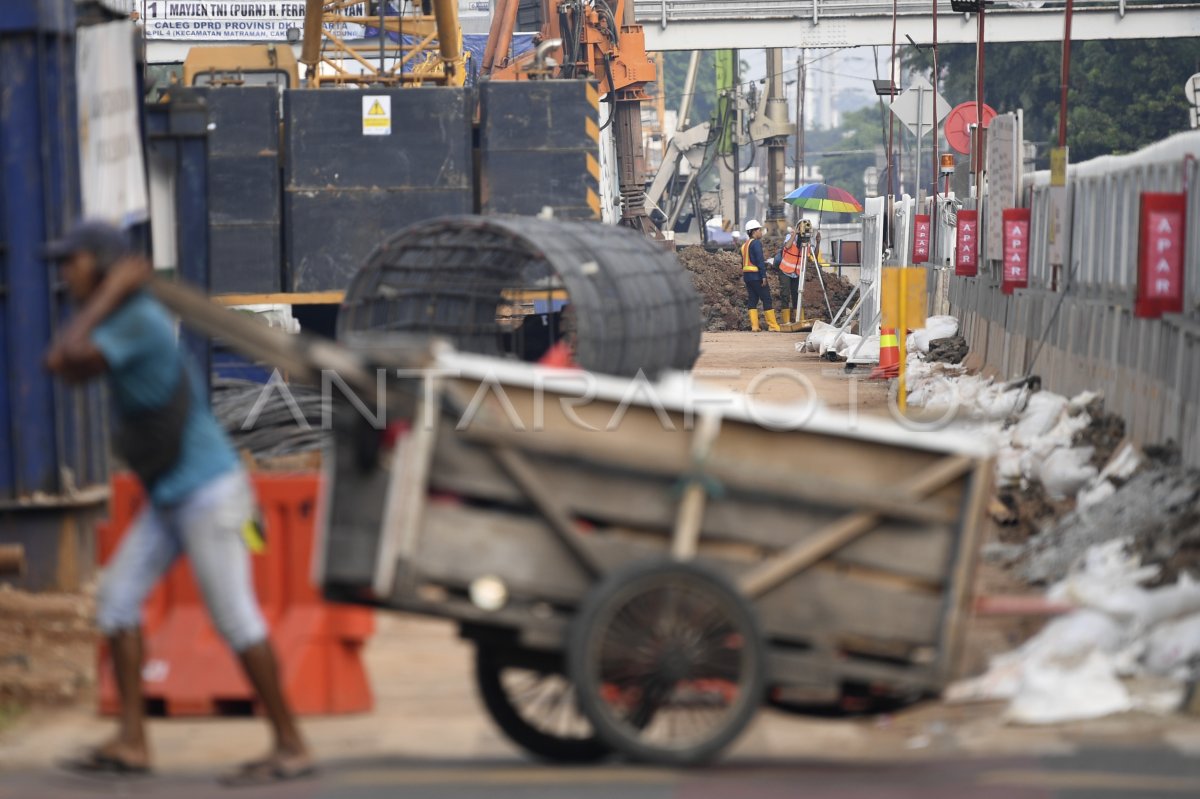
(1125, 773)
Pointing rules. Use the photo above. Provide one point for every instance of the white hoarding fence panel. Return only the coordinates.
(1003, 164)
(112, 171)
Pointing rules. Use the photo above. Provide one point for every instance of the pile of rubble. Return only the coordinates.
(47, 647)
(1112, 530)
(717, 275)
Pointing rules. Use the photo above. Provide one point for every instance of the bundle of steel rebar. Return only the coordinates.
(269, 420)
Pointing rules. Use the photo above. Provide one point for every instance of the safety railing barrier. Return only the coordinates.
(1076, 324)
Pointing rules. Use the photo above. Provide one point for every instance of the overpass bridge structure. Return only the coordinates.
(752, 24)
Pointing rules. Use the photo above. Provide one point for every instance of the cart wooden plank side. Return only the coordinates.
(641, 565)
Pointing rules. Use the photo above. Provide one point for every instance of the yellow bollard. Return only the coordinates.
(902, 302)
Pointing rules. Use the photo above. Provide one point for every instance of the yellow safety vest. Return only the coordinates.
(746, 265)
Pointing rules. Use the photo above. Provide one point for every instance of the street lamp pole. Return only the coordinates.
(1066, 75)
(979, 104)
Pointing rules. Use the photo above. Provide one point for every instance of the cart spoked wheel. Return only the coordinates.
(668, 662)
(535, 707)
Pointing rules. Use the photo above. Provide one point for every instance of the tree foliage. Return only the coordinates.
(848, 150)
(1124, 94)
(704, 100)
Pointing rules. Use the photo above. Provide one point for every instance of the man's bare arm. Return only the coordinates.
(125, 278)
(73, 355)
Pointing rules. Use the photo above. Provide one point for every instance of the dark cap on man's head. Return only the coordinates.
(107, 243)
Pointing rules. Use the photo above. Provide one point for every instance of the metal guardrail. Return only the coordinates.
(694, 10)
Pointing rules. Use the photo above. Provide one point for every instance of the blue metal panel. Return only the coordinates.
(52, 437)
(37, 179)
(46, 16)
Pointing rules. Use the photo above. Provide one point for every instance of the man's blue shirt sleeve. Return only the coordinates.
(124, 337)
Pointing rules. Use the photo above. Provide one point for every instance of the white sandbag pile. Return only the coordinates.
(864, 349)
(825, 339)
(816, 339)
(1034, 431)
(936, 327)
(1080, 665)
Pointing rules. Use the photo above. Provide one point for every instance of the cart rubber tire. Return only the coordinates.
(490, 666)
(729, 615)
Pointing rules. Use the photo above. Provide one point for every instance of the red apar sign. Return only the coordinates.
(1160, 255)
(1015, 226)
(966, 244)
(921, 227)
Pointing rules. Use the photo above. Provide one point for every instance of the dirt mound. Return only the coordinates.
(1022, 512)
(47, 647)
(1103, 433)
(948, 350)
(717, 275)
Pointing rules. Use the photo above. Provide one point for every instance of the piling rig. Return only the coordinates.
(599, 40)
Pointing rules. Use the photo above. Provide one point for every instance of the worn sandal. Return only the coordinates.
(96, 762)
(265, 772)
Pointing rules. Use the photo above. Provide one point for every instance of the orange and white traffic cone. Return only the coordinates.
(889, 356)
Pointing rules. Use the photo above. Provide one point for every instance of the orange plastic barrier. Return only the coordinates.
(189, 671)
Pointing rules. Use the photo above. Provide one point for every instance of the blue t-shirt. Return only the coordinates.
(138, 342)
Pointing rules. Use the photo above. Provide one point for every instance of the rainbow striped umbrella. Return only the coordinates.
(823, 197)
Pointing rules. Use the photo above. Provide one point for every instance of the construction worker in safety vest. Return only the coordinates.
(754, 275)
(797, 248)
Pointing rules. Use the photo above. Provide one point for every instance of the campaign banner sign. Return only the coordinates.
(202, 20)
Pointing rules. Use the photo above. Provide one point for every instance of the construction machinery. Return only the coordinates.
(599, 41)
(241, 65)
(407, 40)
(279, 172)
(414, 49)
(755, 118)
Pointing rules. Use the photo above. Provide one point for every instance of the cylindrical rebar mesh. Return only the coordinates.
(622, 302)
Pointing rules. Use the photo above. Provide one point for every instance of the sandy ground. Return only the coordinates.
(737, 361)
(426, 708)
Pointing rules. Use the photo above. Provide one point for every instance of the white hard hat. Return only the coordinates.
(752, 225)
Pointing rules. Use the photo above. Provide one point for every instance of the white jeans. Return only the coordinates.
(207, 526)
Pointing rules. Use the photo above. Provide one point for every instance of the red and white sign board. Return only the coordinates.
(966, 244)
(1015, 227)
(958, 125)
(1160, 255)
(920, 248)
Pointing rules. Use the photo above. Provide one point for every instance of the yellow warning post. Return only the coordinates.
(903, 303)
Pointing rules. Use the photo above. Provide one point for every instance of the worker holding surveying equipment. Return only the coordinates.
(797, 250)
(754, 275)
